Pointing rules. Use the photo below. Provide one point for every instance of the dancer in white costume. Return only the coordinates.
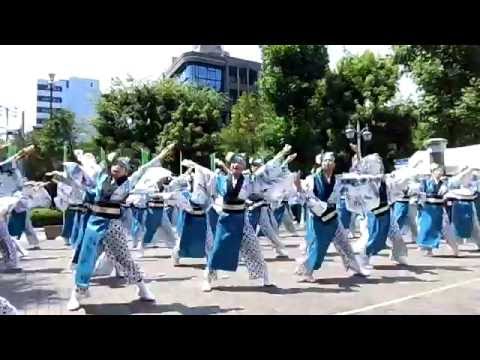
(11, 184)
(377, 223)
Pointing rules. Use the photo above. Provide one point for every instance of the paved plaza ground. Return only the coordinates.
(439, 285)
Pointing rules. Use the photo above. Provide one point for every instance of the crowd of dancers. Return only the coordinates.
(220, 214)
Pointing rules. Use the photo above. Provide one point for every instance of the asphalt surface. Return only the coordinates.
(429, 285)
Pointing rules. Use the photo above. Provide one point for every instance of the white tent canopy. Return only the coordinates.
(455, 159)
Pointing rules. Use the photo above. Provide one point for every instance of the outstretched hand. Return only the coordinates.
(291, 157)
(286, 149)
(25, 152)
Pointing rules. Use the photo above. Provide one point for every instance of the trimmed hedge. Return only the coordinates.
(45, 217)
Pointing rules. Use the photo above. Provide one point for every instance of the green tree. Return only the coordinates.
(195, 123)
(135, 115)
(289, 81)
(254, 128)
(373, 83)
(55, 134)
(447, 76)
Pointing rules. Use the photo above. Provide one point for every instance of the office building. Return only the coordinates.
(77, 95)
(210, 65)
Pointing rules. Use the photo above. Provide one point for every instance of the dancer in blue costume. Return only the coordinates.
(195, 234)
(433, 218)
(260, 213)
(158, 227)
(404, 213)
(460, 200)
(19, 219)
(380, 224)
(70, 191)
(212, 213)
(105, 227)
(234, 236)
(153, 213)
(321, 195)
(11, 184)
(70, 200)
(34, 195)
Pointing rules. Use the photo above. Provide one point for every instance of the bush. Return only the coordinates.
(45, 217)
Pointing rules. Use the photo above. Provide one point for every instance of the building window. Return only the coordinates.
(203, 76)
(47, 87)
(233, 95)
(67, 84)
(56, 100)
(91, 84)
(43, 110)
(243, 76)
(252, 77)
(232, 73)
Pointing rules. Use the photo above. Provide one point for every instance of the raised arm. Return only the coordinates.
(157, 160)
(25, 152)
(463, 178)
(289, 159)
(222, 165)
(274, 168)
(281, 155)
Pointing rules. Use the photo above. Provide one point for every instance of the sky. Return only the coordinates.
(22, 65)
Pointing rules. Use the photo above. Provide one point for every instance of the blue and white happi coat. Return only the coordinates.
(106, 193)
(321, 197)
(433, 222)
(234, 237)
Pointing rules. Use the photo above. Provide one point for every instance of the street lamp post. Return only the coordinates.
(364, 134)
(52, 78)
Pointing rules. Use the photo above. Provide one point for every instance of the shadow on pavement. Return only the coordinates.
(292, 245)
(141, 307)
(456, 257)
(112, 282)
(421, 269)
(276, 290)
(45, 271)
(193, 266)
(356, 281)
(30, 258)
(168, 279)
(281, 259)
(21, 292)
(156, 257)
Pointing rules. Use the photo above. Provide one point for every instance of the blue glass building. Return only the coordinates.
(210, 66)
